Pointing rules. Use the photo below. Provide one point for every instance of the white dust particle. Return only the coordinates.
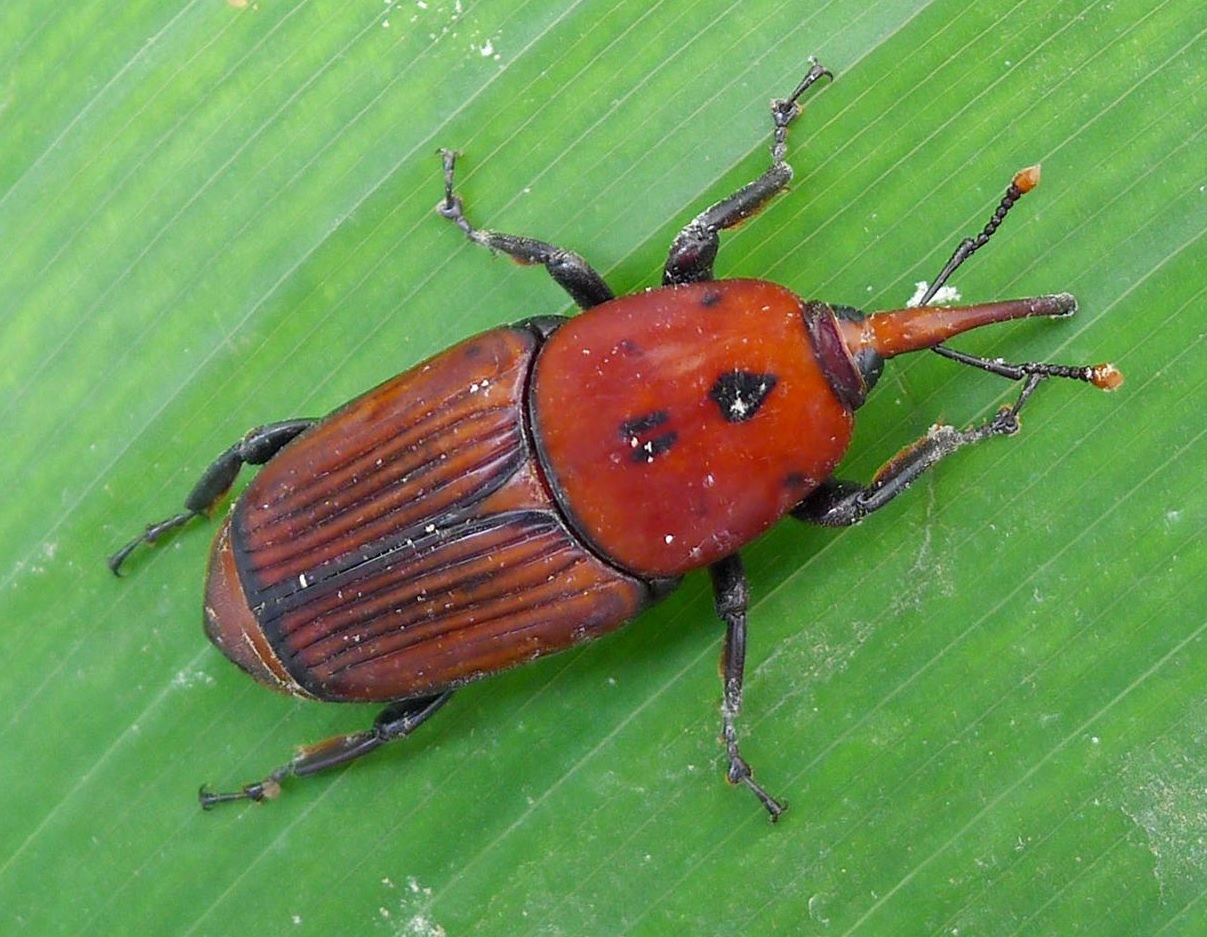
(947, 294)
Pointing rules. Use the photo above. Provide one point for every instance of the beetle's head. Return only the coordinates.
(853, 346)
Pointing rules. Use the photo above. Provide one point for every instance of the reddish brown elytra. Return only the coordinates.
(540, 484)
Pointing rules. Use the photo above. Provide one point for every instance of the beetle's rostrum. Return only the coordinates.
(538, 485)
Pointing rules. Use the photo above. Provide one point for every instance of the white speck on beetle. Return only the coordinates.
(302, 580)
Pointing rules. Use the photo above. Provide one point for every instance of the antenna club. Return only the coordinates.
(1027, 179)
(1106, 376)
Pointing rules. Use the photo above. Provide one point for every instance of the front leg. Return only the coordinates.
(839, 504)
(694, 250)
(732, 595)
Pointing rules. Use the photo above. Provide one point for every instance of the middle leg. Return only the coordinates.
(732, 594)
(570, 271)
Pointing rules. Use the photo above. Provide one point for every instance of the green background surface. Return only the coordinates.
(987, 705)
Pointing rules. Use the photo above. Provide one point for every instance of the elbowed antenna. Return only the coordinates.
(1023, 182)
(895, 332)
(886, 334)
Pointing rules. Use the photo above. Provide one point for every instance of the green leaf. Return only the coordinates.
(986, 704)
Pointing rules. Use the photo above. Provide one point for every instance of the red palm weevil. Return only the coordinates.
(538, 485)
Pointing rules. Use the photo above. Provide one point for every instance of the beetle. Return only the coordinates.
(540, 484)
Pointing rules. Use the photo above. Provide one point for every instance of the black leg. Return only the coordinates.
(694, 250)
(396, 721)
(573, 274)
(839, 504)
(732, 594)
(255, 448)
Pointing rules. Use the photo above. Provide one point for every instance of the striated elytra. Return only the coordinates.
(538, 485)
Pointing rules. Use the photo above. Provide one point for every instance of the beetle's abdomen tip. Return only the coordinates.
(232, 626)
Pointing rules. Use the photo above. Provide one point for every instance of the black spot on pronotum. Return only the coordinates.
(710, 299)
(644, 452)
(645, 448)
(642, 424)
(739, 394)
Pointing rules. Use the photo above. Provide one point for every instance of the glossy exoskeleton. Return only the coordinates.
(538, 485)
